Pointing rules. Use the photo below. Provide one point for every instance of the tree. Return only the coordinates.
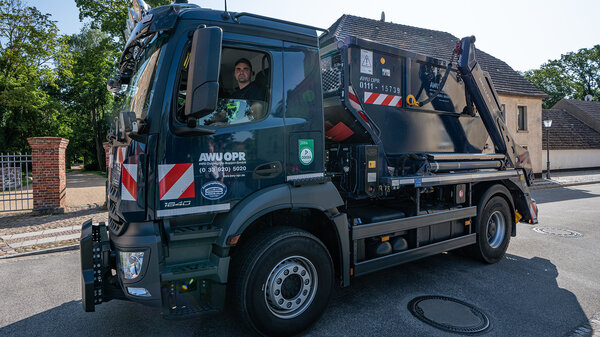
(552, 80)
(93, 59)
(110, 15)
(574, 75)
(29, 46)
(583, 67)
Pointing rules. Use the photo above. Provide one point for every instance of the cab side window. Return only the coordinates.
(244, 88)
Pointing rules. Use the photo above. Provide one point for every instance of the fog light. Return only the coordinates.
(131, 264)
(138, 292)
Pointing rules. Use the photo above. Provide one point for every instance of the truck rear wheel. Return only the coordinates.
(494, 225)
(281, 281)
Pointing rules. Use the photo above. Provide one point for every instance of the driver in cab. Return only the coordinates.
(246, 90)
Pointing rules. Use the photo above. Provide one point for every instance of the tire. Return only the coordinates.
(493, 225)
(281, 281)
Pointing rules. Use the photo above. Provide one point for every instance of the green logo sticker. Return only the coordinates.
(306, 151)
(232, 110)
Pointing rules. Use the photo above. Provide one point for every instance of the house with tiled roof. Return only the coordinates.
(586, 111)
(574, 137)
(521, 101)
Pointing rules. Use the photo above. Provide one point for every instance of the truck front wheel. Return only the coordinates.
(281, 281)
(494, 225)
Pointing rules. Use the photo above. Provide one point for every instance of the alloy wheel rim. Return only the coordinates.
(291, 287)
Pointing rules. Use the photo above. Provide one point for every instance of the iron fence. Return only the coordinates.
(16, 189)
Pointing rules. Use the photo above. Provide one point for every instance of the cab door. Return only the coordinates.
(211, 173)
(304, 112)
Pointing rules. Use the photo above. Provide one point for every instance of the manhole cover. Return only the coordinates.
(561, 232)
(449, 314)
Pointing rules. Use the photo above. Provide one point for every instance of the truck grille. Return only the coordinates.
(115, 226)
(113, 191)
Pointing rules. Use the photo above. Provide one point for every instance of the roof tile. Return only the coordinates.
(568, 133)
(587, 112)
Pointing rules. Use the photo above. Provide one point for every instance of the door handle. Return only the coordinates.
(267, 171)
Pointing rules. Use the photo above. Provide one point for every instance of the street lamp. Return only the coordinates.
(547, 125)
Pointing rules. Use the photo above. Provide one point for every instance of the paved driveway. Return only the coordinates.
(85, 189)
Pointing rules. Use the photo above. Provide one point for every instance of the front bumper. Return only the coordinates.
(95, 264)
(100, 280)
(189, 279)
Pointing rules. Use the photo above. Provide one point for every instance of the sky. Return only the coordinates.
(523, 33)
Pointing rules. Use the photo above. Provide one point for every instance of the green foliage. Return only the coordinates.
(92, 61)
(583, 67)
(574, 75)
(53, 85)
(552, 80)
(29, 45)
(110, 16)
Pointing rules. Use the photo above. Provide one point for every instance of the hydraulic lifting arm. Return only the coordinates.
(481, 90)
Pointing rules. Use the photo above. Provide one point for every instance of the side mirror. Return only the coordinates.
(128, 122)
(114, 84)
(203, 74)
(127, 125)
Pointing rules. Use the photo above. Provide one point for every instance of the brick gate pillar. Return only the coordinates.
(49, 177)
(106, 146)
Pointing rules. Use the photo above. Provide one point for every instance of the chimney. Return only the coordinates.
(382, 16)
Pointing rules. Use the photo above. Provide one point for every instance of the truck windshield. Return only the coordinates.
(141, 86)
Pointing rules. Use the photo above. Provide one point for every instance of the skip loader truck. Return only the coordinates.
(350, 157)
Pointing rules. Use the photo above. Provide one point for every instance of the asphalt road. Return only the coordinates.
(545, 286)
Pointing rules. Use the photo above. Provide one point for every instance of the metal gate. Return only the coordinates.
(16, 190)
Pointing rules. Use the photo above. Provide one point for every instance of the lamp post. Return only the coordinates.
(547, 125)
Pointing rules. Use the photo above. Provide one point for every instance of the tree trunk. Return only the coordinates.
(100, 156)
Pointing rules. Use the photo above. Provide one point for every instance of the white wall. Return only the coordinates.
(567, 159)
(532, 137)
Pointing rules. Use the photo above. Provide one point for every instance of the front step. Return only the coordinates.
(182, 271)
(191, 232)
(214, 268)
(189, 311)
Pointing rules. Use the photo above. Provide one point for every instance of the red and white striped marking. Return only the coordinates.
(353, 99)
(176, 181)
(121, 153)
(129, 182)
(382, 99)
(356, 105)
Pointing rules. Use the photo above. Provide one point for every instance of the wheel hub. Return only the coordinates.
(290, 287)
(496, 229)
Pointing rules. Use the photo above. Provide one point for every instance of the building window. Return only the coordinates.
(522, 118)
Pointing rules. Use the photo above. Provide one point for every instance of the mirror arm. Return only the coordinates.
(189, 129)
(185, 131)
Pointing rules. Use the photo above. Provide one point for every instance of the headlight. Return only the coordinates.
(131, 264)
